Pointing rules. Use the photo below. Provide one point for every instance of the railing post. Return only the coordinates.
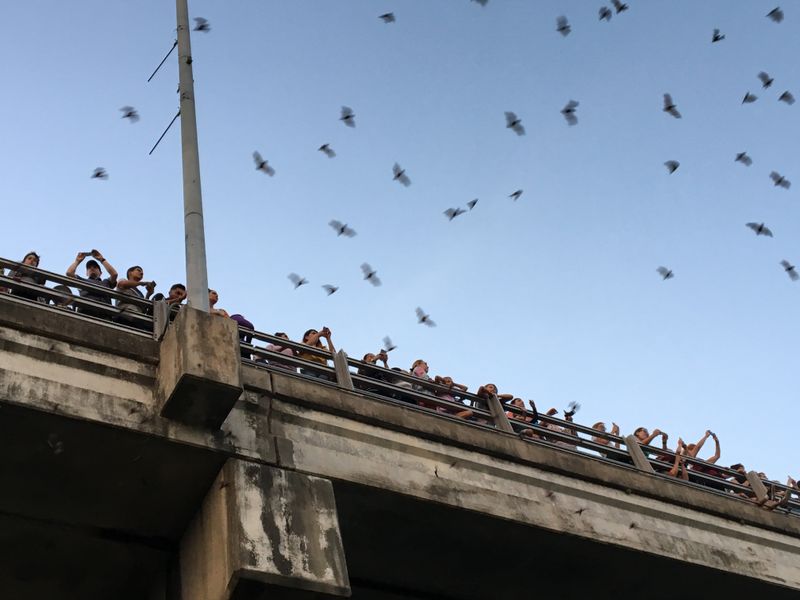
(498, 414)
(343, 377)
(160, 319)
(758, 487)
(637, 455)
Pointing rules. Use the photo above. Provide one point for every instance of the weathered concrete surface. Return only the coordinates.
(401, 547)
(659, 521)
(428, 506)
(261, 528)
(422, 426)
(84, 453)
(43, 559)
(64, 370)
(199, 380)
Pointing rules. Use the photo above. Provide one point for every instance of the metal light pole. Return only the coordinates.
(196, 271)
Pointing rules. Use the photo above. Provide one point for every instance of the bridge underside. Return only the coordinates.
(396, 548)
(101, 516)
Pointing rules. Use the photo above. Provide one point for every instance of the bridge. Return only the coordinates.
(170, 456)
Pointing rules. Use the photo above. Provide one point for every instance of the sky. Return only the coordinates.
(554, 297)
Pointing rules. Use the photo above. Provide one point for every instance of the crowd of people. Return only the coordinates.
(439, 393)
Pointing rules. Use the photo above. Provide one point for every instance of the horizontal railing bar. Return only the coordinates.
(278, 358)
(419, 396)
(278, 341)
(416, 381)
(84, 284)
(64, 300)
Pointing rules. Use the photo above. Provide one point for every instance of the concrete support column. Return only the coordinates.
(199, 371)
(263, 532)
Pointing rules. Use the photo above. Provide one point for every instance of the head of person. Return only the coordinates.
(641, 433)
(447, 380)
(739, 467)
(135, 273)
(419, 367)
(488, 389)
(518, 403)
(691, 447)
(93, 270)
(213, 297)
(177, 290)
(601, 427)
(31, 259)
(281, 335)
(307, 335)
(369, 357)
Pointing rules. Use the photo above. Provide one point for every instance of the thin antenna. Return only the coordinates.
(162, 62)
(165, 132)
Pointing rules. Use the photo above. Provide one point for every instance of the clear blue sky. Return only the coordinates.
(554, 297)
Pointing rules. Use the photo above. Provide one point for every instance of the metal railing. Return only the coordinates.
(62, 295)
(396, 386)
(404, 389)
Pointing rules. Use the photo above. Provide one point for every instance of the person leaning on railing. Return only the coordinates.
(213, 298)
(604, 441)
(518, 412)
(448, 382)
(419, 369)
(23, 275)
(489, 389)
(312, 338)
(373, 373)
(134, 279)
(94, 275)
(559, 429)
(279, 349)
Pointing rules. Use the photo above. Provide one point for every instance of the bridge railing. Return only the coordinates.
(393, 385)
(404, 389)
(65, 293)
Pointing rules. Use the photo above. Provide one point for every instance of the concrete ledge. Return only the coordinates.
(199, 379)
(69, 327)
(375, 460)
(389, 415)
(261, 528)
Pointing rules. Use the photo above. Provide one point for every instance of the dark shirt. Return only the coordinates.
(96, 296)
(128, 306)
(706, 469)
(26, 276)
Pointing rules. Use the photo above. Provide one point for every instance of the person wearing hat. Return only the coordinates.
(94, 275)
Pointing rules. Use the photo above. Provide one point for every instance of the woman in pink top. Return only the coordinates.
(451, 385)
(281, 350)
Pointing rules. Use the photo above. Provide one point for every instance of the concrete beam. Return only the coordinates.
(263, 528)
(199, 379)
(659, 523)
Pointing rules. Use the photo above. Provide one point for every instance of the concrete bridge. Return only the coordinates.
(118, 481)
